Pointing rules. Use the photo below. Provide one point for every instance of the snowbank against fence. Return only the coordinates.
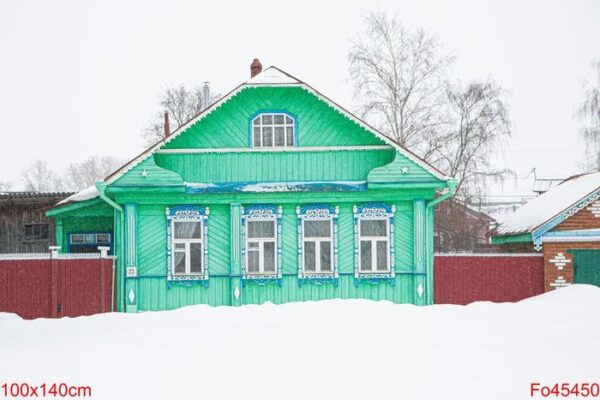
(52, 285)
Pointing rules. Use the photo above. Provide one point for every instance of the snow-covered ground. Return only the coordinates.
(317, 350)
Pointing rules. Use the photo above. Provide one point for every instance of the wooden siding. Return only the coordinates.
(317, 123)
(275, 167)
(14, 215)
(153, 293)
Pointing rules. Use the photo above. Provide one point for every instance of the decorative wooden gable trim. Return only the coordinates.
(538, 233)
(292, 82)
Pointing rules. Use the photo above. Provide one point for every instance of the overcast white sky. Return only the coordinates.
(80, 78)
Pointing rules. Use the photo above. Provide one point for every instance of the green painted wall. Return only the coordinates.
(275, 166)
(154, 293)
(157, 182)
(317, 123)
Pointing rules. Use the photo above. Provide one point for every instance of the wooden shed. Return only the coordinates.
(24, 226)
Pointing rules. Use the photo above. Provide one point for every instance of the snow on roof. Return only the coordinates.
(83, 195)
(549, 205)
(542, 185)
(273, 76)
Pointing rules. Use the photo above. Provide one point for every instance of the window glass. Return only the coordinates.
(188, 230)
(273, 130)
(253, 261)
(373, 227)
(180, 262)
(325, 253)
(309, 257)
(365, 255)
(382, 255)
(317, 228)
(279, 136)
(267, 138)
(196, 258)
(269, 260)
(103, 238)
(77, 238)
(261, 229)
(257, 141)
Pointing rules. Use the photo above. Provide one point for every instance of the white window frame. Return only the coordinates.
(187, 250)
(260, 126)
(261, 212)
(317, 241)
(374, 240)
(317, 212)
(261, 248)
(187, 213)
(374, 211)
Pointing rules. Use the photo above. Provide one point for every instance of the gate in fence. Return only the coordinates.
(53, 285)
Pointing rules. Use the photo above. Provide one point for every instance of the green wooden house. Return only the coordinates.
(273, 193)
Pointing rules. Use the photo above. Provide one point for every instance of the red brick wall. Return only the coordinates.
(558, 263)
(582, 219)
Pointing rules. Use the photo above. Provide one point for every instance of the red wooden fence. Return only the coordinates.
(463, 279)
(40, 286)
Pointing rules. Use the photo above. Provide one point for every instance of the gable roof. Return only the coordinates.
(273, 76)
(555, 205)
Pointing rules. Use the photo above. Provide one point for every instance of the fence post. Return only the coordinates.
(54, 281)
(103, 255)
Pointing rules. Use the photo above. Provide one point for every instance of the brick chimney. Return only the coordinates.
(166, 127)
(255, 68)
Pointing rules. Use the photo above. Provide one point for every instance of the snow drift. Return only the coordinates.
(330, 349)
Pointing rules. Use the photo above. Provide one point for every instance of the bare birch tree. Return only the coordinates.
(478, 126)
(86, 173)
(589, 113)
(182, 104)
(38, 177)
(399, 78)
(5, 186)
(400, 82)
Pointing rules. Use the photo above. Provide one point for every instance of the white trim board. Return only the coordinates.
(272, 149)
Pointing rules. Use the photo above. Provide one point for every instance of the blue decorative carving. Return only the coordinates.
(261, 212)
(187, 213)
(314, 212)
(369, 211)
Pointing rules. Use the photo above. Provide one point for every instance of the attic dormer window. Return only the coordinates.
(273, 130)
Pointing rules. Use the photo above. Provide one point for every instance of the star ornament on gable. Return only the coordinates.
(404, 170)
(144, 173)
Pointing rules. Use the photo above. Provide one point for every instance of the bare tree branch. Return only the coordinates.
(182, 104)
(400, 82)
(589, 114)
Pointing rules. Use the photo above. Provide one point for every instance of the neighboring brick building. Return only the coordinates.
(24, 227)
(564, 223)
